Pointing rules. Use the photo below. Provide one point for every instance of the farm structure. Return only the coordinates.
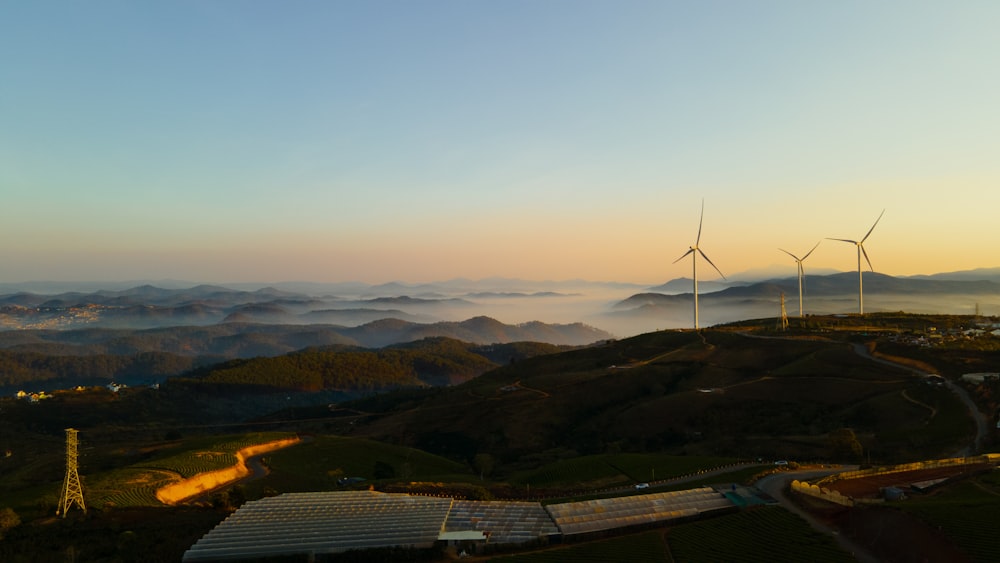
(599, 515)
(334, 522)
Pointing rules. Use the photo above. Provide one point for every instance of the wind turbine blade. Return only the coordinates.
(843, 240)
(873, 226)
(710, 262)
(790, 254)
(863, 251)
(700, 219)
(683, 256)
(811, 251)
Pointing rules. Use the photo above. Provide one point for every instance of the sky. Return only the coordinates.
(376, 141)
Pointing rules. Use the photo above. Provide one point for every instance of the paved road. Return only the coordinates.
(776, 485)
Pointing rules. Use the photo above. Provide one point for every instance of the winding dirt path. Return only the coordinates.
(921, 404)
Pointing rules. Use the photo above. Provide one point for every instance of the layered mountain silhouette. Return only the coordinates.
(368, 314)
(246, 340)
(840, 284)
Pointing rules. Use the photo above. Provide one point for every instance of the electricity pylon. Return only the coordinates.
(72, 491)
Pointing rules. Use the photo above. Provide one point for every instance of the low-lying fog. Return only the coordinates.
(601, 305)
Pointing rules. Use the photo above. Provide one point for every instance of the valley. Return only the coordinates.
(520, 421)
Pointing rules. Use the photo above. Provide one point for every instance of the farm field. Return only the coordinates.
(646, 546)
(136, 484)
(318, 462)
(766, 534)
(968, 513)
(608, 470)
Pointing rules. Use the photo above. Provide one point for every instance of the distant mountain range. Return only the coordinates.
(621, 309)
(957, 293)
(242, 340)
(844, 283)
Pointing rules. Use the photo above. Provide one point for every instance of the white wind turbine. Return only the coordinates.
(861, 250)
(694, 251)
(802, 272)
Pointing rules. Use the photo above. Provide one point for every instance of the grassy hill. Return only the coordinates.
(710, 393)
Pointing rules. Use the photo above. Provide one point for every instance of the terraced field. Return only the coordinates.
(136, 484)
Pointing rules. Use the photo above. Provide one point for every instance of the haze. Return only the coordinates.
(326, 141)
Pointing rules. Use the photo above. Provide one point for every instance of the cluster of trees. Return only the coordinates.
(19, 369)
(433, 361)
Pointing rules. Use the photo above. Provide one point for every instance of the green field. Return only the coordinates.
(647, 546)
(317, 463)
(766, 534)
(608, 470)
(968, 513)
(136, 484)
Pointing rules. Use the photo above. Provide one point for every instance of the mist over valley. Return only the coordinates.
(612, 309)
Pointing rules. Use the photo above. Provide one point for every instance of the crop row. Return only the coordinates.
(212, 456)
(611, 469)
(766, 534)
(189, 464)
(144, 496)
(647, 546)
(126, 487)
(971, 525)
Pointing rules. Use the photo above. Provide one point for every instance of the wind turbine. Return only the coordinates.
(861, 250)
(694, 251)
(802, 272)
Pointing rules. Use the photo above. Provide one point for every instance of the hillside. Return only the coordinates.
(844, 283)
(428, 362)
(346, 369)
(247, 340)
(714, 393)
(148, 307)
(538, 419)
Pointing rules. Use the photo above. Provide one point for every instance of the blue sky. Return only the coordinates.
(416, 141)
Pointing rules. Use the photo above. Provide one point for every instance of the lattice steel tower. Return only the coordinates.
(72, 491)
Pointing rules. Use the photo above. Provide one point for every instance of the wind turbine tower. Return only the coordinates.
(694, 251)
(783, 320)
(861, 250)
(802, 272)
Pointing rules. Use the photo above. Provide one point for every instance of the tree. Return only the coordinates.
(8, 521)
(484, 464)
(844, 443)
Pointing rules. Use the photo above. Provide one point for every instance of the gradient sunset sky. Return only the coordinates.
(224, 140)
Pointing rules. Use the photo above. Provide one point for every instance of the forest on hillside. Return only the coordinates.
(428, 362)
(431, 361)
(30, 369)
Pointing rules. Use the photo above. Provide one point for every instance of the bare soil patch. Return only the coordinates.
(870, 487)
(895, 536)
